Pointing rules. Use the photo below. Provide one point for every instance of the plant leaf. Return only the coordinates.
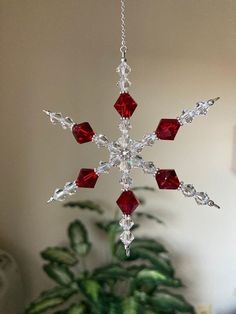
(79, 238)
(166, 301)
(90, 205)
(139, 253)
(149, 244)
(114, 308)
(149, 216)
(153, 276)
(111, 272)
(130, 306)
(59, 291)
(60, 273)
(112, 226)
(134, 269)
(59, 255)
(50, 299)
(90, 288)
(144, 188)
(75, 309)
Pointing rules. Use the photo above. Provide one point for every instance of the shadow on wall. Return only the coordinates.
(234, 151)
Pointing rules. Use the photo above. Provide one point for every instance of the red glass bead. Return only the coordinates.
(167, 129)
(87, 178)
(83, 132)
(167, 179)
(127, 202)
(125, 105)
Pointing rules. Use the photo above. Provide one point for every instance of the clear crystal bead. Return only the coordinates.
(55, 117)
(126, 223)
(125, 126)
(126, 182)
(123, 141)
(125, 166)
(137, 161)
(127, 237)
(202, 198)
(70, 188)
(59, 195)
(136, 146)
(149, 167)
(149, 139)
(123, 69)
(124, 84)
(186, 116)
(67, 123)
(202, 108)
(211, 101)
(188, 190)
(101, 140)
(114, 160)
(114, 148)
(104, 167)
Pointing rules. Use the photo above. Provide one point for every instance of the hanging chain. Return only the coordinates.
(123, 48)
(123, 69)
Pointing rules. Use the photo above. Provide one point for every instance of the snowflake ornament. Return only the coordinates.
(124, 153)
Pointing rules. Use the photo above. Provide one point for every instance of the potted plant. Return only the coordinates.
(125, 285)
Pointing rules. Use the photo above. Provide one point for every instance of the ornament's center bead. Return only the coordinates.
(126, 154)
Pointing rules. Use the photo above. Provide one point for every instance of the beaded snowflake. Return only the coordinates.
(124, 153)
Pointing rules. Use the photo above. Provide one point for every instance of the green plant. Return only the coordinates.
(126, 285)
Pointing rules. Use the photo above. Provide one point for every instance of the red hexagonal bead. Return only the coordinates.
(125, 105)
(127, 202)
(87, 178)
(167, 129)
(167, 179)
(83, 132)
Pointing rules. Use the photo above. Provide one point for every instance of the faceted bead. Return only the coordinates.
(137, 146)
(125, 126)
(114, 160)
(167, 129)
(104, 167)
(124, 69)
(126, 222)
(149, 139)
(87, 178)
(167, 179)
(125, 105)
(202, 108)
(125, 166)
(70, 188)
(123, 141)
(188, 190)
(127, 237)
(124, 84)
(127, 202)
(212, 101)
(202, 198)
(187, 116)
(83, 132)
(137, 161)
(101, 140)
(59, 195)
(149, 167)
(67, 123)
(126, 181)
(55, 117)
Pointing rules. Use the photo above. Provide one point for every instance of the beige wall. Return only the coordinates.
(61, 55)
